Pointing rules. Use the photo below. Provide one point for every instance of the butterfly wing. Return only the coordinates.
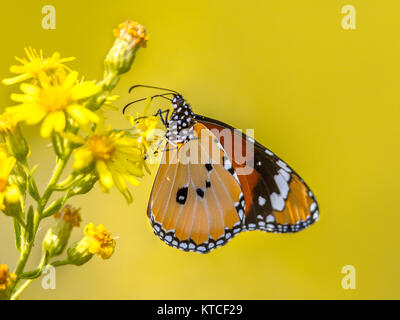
(197, 202)
(277, 199)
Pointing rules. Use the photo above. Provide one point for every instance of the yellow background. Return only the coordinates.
(324, 99)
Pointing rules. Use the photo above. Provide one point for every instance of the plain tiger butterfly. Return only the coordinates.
(214, 182)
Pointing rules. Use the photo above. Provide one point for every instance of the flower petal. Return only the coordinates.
(30, 89)
(12, 194)
(104, 175)
(33, 116)
(119, 181)
(82, 158)
(82, 114)
(16, 79)
(6, 165)
(70, 80)
(2, 201)
(84, 90)
(48, 125)
(59, 121)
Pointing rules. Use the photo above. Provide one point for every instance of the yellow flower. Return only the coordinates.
(97, 240)
(6, 277)
(100, 240)
(132, 32)
(8, 192)
(117, 157)
(52, 101)
(35, 64)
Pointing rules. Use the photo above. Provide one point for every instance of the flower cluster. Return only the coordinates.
(69, 111)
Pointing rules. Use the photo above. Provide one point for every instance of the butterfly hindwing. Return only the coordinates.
(277, 199)
(197, 202)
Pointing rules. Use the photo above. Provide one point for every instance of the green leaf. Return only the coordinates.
(33, 190)
(58, 145)
(53, 208)
(29, 225)
(17, 231)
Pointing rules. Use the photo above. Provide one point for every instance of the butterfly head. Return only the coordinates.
(180, 124)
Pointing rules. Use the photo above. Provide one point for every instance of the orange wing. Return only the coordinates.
(197, 202)
(277, 199)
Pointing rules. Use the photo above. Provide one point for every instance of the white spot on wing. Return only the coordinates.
(270, 218)
(313, 206)
(183, 245)
(283, 165)
(282, 185)
(277, 201)
(284, 174)
(269, 152)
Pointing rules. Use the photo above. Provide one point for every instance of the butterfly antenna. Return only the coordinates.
(151, 87)
(155, 96)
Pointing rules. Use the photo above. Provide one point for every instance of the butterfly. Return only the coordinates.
(215, 182)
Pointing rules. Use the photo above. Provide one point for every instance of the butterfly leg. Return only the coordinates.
(160, 113)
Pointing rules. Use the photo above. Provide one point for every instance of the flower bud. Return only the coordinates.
(15, 141)
(18, 178)
(130, 36)
(78, 253)
(84, 185)
(58, 235)
(12, 206)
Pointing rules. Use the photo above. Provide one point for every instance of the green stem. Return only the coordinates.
(61, 163)
(59, 263)
(17, 293)
(68, 183)
(26, 249)
(38, 271)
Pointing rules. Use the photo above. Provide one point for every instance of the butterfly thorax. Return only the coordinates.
(180, 124)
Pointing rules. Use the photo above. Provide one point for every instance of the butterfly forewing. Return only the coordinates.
(277, 199)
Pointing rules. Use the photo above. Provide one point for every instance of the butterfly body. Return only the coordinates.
(180, 125)
(215, 182)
